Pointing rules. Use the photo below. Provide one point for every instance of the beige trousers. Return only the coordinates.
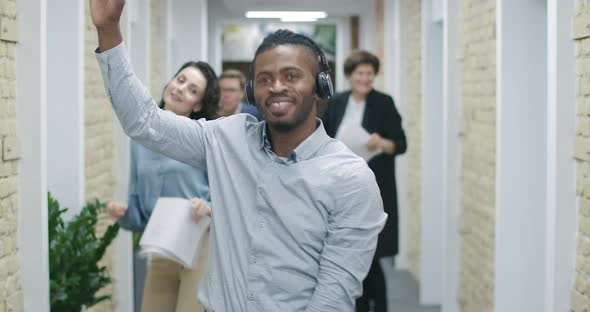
(170, 287)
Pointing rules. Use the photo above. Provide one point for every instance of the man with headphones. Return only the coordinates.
(296, 214)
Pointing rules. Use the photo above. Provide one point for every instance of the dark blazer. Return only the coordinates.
(382, 117)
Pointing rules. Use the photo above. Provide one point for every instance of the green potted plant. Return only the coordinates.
(74, 254)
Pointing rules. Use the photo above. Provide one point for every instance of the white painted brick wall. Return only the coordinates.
(156, 75)
(412, 11)
(99, 146)
(11, 299)
(580, 295)
(379, 38)
(478, 99)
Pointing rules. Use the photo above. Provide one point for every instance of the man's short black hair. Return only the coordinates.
(285, 37)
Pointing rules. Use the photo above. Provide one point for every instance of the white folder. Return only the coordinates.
(171, 232)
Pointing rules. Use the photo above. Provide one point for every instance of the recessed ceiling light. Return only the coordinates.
(288, 15)
(288, 19)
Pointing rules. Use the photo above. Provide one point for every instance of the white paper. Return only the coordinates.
(171, 233)
(355, 137)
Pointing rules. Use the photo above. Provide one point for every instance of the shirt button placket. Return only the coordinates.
(253, 259)
(260, 194)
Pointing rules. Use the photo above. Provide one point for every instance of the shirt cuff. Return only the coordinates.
(113, 57)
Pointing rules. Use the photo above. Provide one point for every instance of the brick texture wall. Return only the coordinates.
(380, 42)
(478, 83)
(156, 40)
(99, 145)
(580, 295)
(99, 126)
(412, 11)
(10, 276)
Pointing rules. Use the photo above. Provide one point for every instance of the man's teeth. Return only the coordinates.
(279, 104)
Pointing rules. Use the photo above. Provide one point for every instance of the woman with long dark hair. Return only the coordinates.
(193, 93)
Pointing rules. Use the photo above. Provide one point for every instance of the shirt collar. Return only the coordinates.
(304, 150)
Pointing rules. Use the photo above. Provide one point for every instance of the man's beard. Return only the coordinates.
(299, 119)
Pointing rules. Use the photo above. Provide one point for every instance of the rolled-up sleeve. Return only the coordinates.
(177, 137)
(353, 228)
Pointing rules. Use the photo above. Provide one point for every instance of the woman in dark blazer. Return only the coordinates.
(376, 113)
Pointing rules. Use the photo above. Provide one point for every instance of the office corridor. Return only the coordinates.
(494, 97)
(403, 291)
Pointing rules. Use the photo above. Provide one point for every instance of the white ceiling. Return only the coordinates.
(334, 8)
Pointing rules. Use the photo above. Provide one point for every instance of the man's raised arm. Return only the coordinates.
(175, 136)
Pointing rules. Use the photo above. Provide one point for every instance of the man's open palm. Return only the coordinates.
(106, 13)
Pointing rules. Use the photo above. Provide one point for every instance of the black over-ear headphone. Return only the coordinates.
(323, 82)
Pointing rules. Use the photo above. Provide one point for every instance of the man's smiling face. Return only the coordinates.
(284, 86)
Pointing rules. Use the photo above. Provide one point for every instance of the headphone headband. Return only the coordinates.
(324, 87)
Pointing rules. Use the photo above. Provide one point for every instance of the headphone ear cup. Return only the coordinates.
(250, 92)
(325, 90)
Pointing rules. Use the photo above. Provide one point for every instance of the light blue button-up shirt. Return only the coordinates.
(287, 234)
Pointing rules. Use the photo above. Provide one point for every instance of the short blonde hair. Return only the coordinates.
(236, 74)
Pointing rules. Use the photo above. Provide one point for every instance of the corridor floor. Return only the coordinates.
(402, 291)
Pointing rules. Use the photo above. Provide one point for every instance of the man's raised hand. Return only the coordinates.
(105, 16)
